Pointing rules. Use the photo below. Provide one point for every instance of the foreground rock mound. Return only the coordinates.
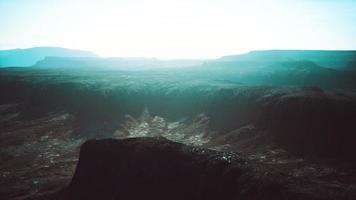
(156, 168)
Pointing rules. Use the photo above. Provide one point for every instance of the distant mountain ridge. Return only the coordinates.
(28, 57)
(61, 57)
(325, 58)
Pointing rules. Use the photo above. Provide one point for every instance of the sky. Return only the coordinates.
(178, 28)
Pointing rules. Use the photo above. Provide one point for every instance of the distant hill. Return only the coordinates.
(114, 63)
(325, 58)
(28, 57)
(279, 73)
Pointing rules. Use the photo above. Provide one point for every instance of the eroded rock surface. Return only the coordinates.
(156, 168)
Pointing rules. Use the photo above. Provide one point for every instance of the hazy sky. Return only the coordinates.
(178, 28)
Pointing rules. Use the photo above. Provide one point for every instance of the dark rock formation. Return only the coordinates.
(155, 168)
(312, 123)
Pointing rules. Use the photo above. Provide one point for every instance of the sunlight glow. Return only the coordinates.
(178, 28)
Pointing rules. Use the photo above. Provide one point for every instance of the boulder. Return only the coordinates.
(156, 168)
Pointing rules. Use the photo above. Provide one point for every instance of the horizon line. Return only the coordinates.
(176, 58)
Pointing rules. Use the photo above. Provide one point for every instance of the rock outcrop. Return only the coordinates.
(156, 168)
(312, 123)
